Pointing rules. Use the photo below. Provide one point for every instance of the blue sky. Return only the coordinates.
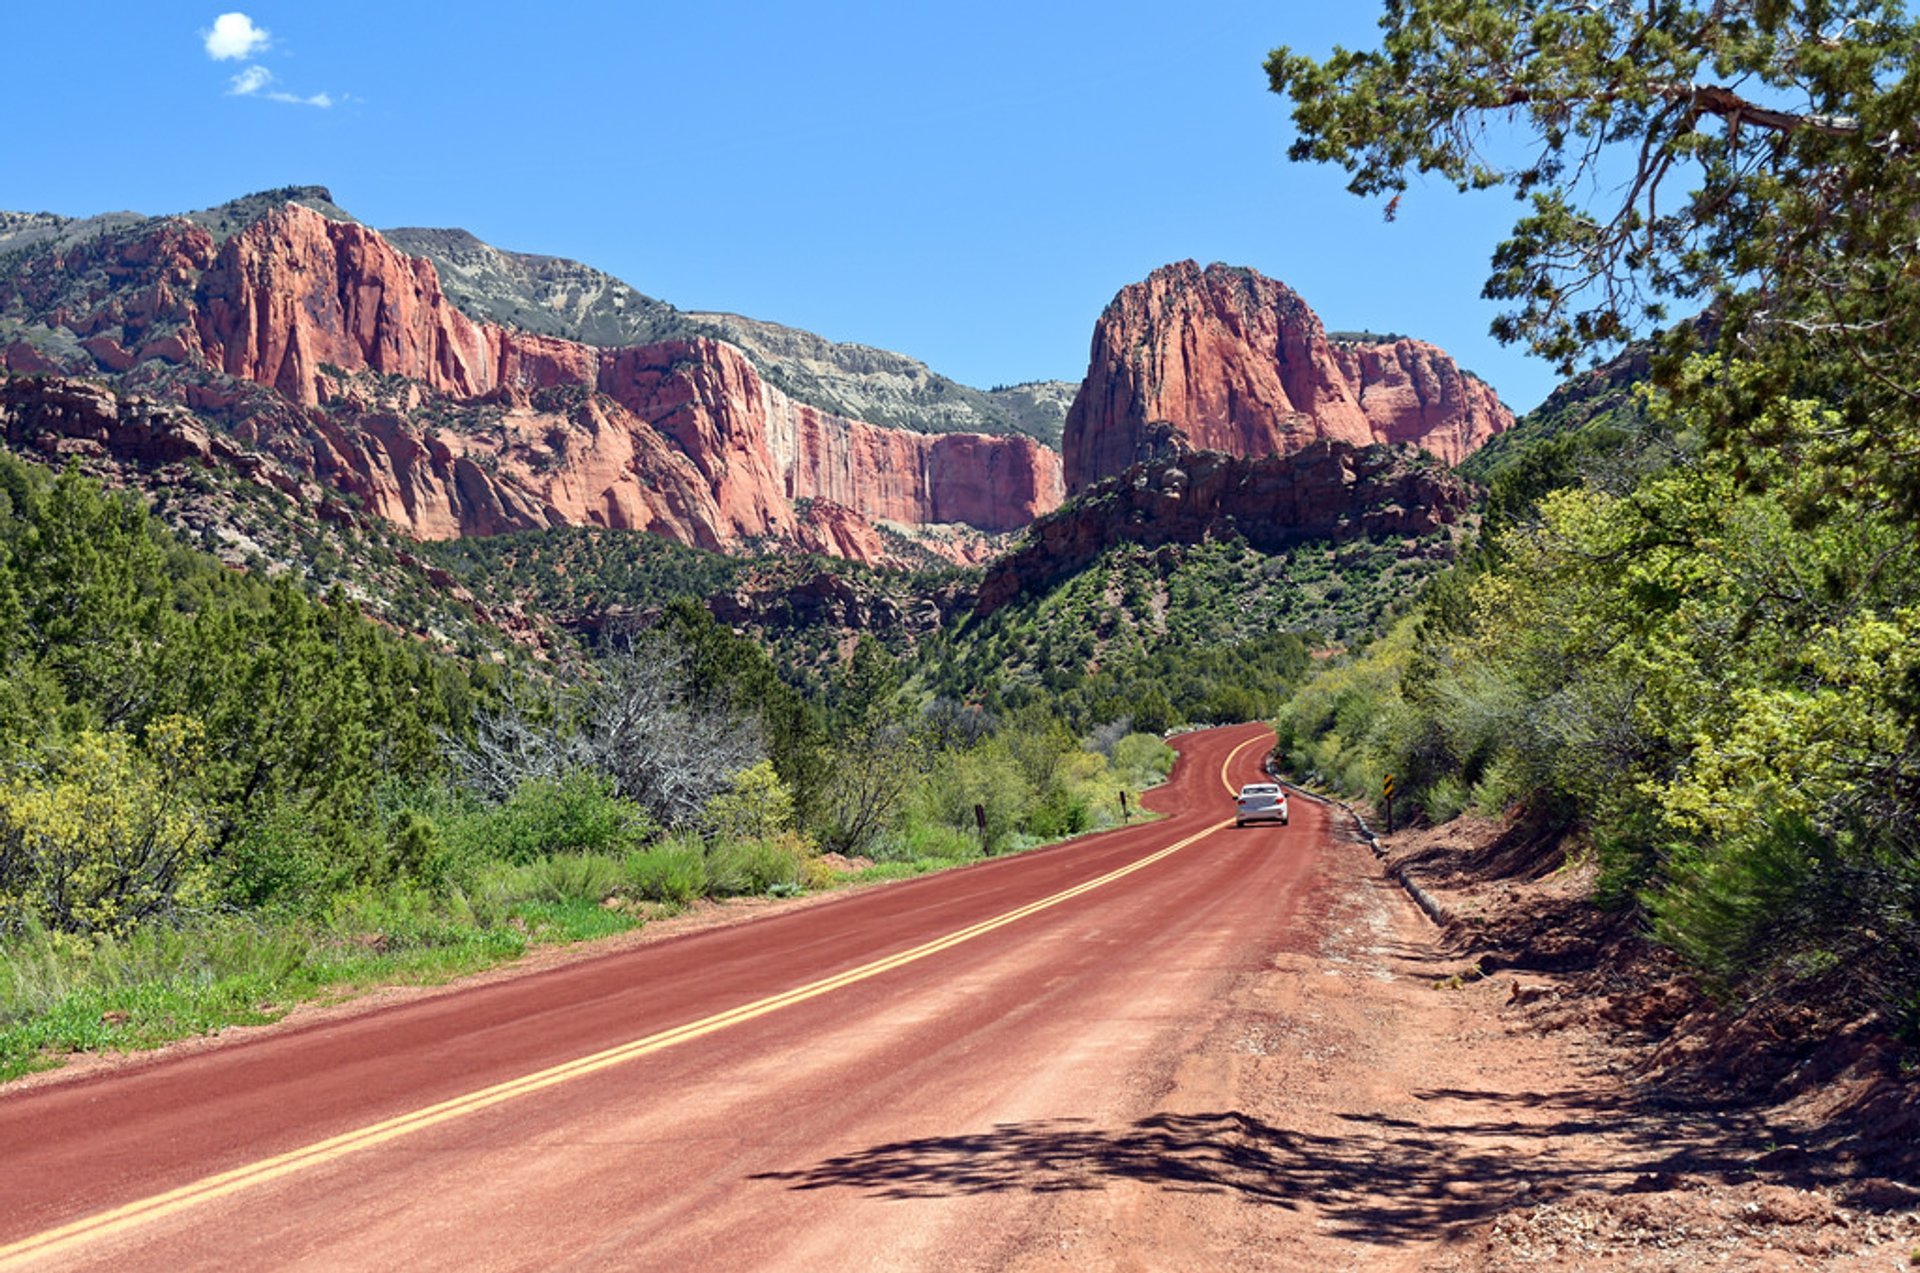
(966, 184)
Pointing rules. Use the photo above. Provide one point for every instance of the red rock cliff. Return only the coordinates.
(1240, 364)
(478, 429)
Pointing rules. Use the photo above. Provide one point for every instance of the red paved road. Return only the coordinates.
(753, 1143)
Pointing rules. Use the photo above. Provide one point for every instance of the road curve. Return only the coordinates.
(724, 1099)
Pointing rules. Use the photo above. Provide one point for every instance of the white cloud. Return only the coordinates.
(234, 37)
(251, 81)
(322, 100)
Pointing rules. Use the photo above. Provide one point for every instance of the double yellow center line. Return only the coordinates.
(122, 1219)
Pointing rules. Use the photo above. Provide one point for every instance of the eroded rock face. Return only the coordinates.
(1328, 490)
(64, 417)
(1241, 365)
(1412, 392)
(362, 351)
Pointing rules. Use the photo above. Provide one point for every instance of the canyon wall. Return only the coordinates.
(448, 426)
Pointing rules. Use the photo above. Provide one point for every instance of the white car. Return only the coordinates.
(1260, 800)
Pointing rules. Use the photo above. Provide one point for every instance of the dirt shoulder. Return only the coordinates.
(1492, 1093)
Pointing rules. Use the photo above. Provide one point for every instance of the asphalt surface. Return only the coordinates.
(752, 1096)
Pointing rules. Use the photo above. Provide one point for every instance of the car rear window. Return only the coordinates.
(1260, 789)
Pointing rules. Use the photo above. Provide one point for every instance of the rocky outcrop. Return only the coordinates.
(1240, 364)
(1413, 393)
(827, 600)
(383, 388)
(1327, 490)
(57, 417)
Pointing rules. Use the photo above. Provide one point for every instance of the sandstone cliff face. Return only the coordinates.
(1327, 490)
(381, 387)
(1240, 364)
(1412, 392)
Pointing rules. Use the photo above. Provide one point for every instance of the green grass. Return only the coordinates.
(162, 984)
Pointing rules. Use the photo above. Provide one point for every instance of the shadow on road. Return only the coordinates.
(1384, 1180)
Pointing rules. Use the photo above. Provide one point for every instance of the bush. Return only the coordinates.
(575, 814)
(559, 878)
(986, 775)
(928, 842)
(1141, 761)
(282, 862)
(100, 836)
(1061, 814)
(756, 804)
(674, 871)
(755, 867)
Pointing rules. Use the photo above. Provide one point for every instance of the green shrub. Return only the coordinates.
(1062, 813)
(928, 842)
(560, 877)
(755, 867)
(1445, 799)
(1718, 901)
(1141, 761)
(282, 862)
(575, 814)
(987, 775)
(418, 851)
(673, 871)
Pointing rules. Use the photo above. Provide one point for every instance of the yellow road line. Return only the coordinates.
(124, 1218)
(1228, 764)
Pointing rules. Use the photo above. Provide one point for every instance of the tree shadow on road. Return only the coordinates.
(1381, 1180)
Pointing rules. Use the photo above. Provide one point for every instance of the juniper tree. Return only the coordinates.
(1754, 160)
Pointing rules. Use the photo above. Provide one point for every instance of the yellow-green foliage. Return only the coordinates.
(754, 806)
(102, 835)
(1344, 726)
(1713, 669)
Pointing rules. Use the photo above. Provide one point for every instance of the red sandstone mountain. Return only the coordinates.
(1240, 364)
(381, 388)
(320, 351)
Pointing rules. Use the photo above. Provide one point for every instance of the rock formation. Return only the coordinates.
(1240, 364)
(1328, 490)
(383, 388)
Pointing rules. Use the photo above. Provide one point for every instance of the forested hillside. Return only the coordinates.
(1690, 636)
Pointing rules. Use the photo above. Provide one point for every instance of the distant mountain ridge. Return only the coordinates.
(312, 339)
(451, 388)
(554, 296)
(557, 297)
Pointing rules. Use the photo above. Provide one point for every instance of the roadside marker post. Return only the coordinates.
(1126, 817)
(1386, 789)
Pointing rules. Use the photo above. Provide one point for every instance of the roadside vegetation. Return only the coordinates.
(1691, 632)
(221, 796)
